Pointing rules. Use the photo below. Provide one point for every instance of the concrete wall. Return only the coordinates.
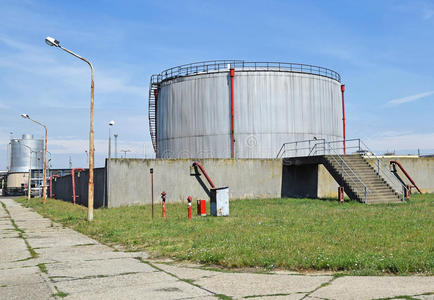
(421, 169)
(129, 180)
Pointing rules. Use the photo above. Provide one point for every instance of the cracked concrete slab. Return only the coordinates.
(80, 269)
(170, 290)
(370, 287)
(19, 246)
(116, 281)
(245, 284)
(185, 272)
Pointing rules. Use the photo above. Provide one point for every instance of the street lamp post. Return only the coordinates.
(53, 42)
(29, 181)
(125, 152)
(116, 145)
(111, 123)
(44, 193)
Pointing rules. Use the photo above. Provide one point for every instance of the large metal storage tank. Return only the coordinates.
(20, 156)
(274, 103)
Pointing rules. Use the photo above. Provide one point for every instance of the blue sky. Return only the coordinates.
(382, 49)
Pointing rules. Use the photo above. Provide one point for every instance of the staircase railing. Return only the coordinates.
(358, 183)
(357, 146)
(384, 171)
(316, 147)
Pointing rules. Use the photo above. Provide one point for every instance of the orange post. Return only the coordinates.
(189, 207)
(341, 194)
(163, 199)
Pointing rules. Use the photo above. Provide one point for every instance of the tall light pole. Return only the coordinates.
(53, 42)
(29, 182)
(116, 145)
(44, 193)
(111, 123)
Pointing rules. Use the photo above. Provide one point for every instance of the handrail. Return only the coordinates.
(365, 190)
(240, 65)
(395, 162)
(199, 165)
(313, 151)
(382, 169)
(387, 174)
(284, 146)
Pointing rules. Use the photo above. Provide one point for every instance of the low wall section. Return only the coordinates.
(62, 187)
(129, 180)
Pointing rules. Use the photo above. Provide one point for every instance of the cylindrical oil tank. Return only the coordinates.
(190, 108)
(20, 154)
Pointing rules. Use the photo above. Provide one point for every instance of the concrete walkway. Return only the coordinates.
(40, 259)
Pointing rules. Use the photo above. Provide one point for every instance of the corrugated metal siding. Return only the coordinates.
(271, 108)
(20, 156)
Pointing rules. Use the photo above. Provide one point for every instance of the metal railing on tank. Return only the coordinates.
(240, 65)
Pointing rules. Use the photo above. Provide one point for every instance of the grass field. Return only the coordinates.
(294, 234)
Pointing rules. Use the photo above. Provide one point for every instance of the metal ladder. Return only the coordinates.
(152, 110)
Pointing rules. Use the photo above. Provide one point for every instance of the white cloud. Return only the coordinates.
(428, 13)
(44, 65)
(401, 141)
(78, 146)
(411, 98)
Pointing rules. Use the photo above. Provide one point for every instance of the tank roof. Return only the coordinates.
(214, 66)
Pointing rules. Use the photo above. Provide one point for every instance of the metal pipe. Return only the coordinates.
(29, 181)
(73, 182)
(393, 162)
(152, 190)
(44, 192)
(232, 74)
(51, 184)
(156, 124)
(343, 115)
(198, 164)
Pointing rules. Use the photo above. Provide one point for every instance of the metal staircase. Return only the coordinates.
(152, 109)
(364, 176)
(377, 189)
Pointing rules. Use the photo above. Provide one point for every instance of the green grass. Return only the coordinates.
(294, 234)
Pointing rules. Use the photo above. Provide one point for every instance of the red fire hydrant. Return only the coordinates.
(341, 194)
(408, 191)
(163, 199)
(189, 207)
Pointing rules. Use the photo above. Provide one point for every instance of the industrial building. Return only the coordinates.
(193, 114)
(21, 152)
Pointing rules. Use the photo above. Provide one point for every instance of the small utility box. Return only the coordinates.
(220, 201)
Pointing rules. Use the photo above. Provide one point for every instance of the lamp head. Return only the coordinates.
(52, 41)
(25, 116)
(111, 123)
